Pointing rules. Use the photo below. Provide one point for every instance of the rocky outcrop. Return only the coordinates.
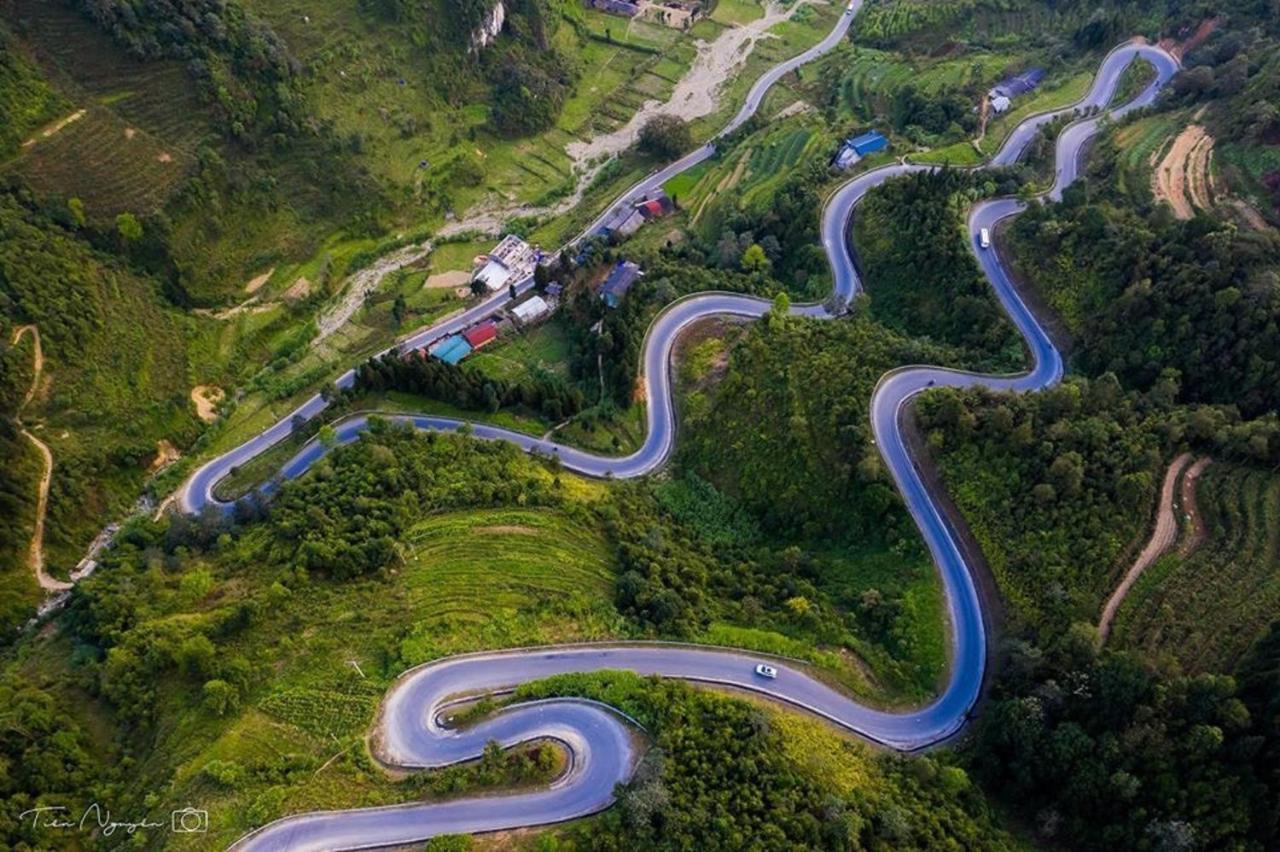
(487, 33)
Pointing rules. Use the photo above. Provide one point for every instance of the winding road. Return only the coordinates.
(409, 733)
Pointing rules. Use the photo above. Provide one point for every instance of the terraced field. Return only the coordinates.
(750, 175)
(140, 128)
(869, 77)
(1141, 144)
(512, 576)
(1204, 610)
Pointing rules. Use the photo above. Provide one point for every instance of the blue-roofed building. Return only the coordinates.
(451, 350)
(1019, 85)
(868, 143)
(621, 277)
(857, 147)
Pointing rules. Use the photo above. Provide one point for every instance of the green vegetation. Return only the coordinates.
(1054, 486)
(26, 101)
(1144, 295)
(802, 464)
(544, 348)
(204, 662)
(915, 223)
(547, 394)
(1206, 608)
(1102, 753)
(116, 367)
(730, 12)
(724, 773)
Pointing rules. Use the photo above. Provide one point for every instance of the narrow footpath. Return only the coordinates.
(35, 553)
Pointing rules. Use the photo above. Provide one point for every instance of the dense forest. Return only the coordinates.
(912, 224)
(1055, 487)
(1102, 753)
(1148, 294)
(794, 404)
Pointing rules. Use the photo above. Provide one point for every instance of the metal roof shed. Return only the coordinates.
(530, 310)
(869, 143)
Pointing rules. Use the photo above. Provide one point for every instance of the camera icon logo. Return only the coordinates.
(190, 821)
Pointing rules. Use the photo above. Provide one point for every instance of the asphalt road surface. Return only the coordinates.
(409, 734)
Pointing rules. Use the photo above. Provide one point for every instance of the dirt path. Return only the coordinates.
(52, 129)
(35, 554)
(1190, 510)
(1166, 530)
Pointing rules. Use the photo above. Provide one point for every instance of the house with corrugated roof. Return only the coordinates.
(621, 277)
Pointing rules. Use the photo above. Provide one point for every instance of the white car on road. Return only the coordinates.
(766, 671)
(984, 238)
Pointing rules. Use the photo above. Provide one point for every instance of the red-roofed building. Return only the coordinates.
(480, 335)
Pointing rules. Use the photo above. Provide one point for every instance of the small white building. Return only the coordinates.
(531, 310)
(1000, 104)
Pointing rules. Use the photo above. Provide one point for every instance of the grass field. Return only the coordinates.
(749, 175)
(513, 577)
(731, 12)
(868, 78)
(544, 347)
(1206, 609)
(908, 674)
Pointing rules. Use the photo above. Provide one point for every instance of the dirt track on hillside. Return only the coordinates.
(35, 553)
(1190, 510)
(1162, 537)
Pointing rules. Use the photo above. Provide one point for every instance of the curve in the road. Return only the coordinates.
(409, 733)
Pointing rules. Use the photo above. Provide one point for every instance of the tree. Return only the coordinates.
(76, 208)
(399, 308)
(511, 291)
(478, 287)
(665, 136)
(220, 696)
(755, 260)
(129, 228)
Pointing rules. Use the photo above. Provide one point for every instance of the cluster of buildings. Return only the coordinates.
(1002, 94)
(511, 261)
(628, 218)
(678, 14)
(855, 148)
(455, 347)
